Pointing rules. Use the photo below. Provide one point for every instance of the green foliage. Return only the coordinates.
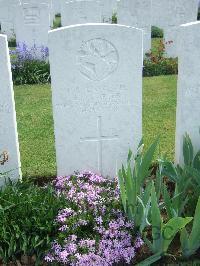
(135, 200)
(186, 179)
(190, 243)
(27, 219)
(31, 72)
(114, 18)
(156, 32)
(12, 42)
(57, 21)
(156, 63)
(162, 234)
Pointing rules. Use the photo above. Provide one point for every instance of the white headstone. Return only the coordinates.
(159, 18)
(8, 126)
(47, 2)
(136, 13)
(177, 12)
(32, 24)
(97, 95)
(80, 12)
(188, 98)
(56, 5)
(7, 17)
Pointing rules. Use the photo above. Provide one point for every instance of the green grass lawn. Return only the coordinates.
(35, 122)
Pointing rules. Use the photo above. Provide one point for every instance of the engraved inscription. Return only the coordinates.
(31, 15)
(97, 59)
(108, 99)
(5, 108)
(99, 140)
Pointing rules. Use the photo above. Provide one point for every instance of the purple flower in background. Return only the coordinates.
(23, 53)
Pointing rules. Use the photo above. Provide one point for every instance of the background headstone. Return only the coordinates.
(97, 95)
(188, 98)
(80, 12)
(169, 15)
(32, 24)
(8, 126)
(7, 17)
(136, 13)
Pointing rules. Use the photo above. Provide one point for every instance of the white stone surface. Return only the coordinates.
(136, 13)
(169, 15)
(32, 24)
(108, 9)
(178, 12)
(159, 17)
(97, 95)
(56, 5)
(8, 126)
(188, 98)
(47, 2)
(80, 12)
(7, 16)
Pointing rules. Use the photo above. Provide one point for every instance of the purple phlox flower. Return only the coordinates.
(64, 214)
(49, 258)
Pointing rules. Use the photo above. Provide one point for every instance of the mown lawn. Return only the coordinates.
(35, 122)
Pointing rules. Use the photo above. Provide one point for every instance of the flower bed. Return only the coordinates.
(89, 229)
(93, 229)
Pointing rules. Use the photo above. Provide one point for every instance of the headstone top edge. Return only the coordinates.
(190, 24)
(95, 24)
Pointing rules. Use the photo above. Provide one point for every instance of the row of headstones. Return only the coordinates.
(97, 96)
(31, 19)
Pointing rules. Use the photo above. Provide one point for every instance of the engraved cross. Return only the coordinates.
(99, 140)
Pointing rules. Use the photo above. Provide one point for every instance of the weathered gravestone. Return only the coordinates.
(80, 12)
(7, 17)
(32, 24)
(8, 127)
(97, 95)
(188, 98)
(47, 2)
(136, 13)
(177, 12)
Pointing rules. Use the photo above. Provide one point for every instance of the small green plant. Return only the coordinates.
(156, 32)
(12, 42)
(186, 179)
(57, 21)
(134, 194)
(114, 18)
(162, 233)
(190, 243)
(27, 219)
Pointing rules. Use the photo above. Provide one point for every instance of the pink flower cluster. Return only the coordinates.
(93, 229)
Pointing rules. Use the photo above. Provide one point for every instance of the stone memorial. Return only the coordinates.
(7, 17)
(33, 24)
(159, 18)
(188, 96)
(97, 96)
(47, 2)
(8, 127)
(136, 13)
(175, 13)
(80, 12)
